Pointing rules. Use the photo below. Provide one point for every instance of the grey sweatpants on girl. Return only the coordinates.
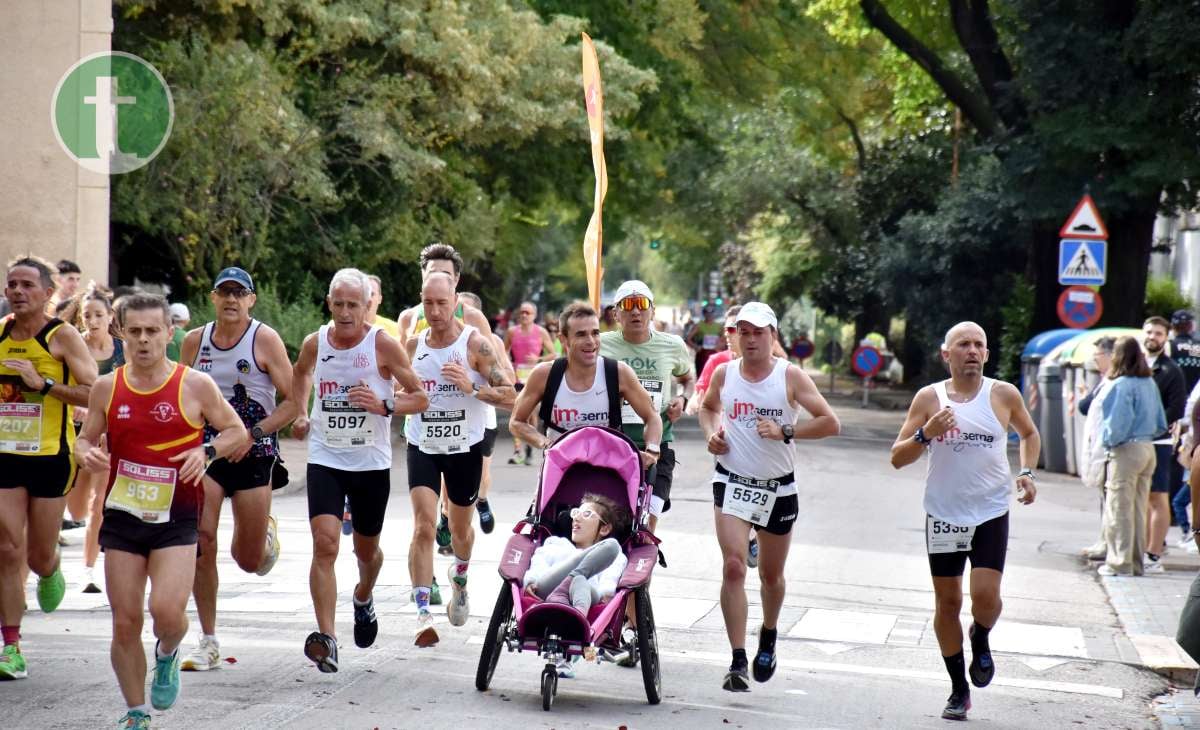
(586, 563)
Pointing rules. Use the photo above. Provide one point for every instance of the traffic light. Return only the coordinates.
(655, 243)
(720, 301)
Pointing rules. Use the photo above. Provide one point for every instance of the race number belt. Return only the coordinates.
(21, 427)
(444, 432)
(943, 537)
(143, 491)
(345, 425)
(709, 342)
(655, 389)
(752, 500)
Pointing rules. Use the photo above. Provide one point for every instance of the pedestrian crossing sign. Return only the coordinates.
(1082, 262)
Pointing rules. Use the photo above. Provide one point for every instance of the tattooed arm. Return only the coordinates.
(499, 390)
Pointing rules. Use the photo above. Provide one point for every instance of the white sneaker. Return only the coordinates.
(426, 634)
(272, 553)
(204, 657)
(459, 609)
(1106, 570)
(1097, 551)
(1153, 567)
(1185, 542)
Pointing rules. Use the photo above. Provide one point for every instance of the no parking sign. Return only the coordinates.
(1080, 307)
(866, 361)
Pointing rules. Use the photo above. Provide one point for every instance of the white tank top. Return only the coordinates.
(244, 384)
(968, 479)
(454, 420)
(751, 455)
(574, 409)
(343, 436)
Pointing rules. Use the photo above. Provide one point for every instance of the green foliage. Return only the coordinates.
(1016, 319)
(1163, 297)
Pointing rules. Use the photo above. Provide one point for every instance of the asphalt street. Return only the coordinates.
(856, 640)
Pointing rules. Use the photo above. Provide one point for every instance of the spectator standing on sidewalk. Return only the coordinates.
(1132, 416)
(1172, 389)
(1093, 465)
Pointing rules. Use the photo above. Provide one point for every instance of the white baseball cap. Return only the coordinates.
(633, 288)
(179, 311)
(758, 314)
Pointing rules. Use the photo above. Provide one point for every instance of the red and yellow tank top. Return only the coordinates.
(145, 429)
(32, 424)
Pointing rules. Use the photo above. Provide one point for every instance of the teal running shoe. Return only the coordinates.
(164, 690)
(134, 720)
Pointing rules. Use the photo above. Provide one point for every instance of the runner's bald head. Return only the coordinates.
(959, 330)
(438, 282)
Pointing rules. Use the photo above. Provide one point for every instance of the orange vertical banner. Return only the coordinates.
(593, 238)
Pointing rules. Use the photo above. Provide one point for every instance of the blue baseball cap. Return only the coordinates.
(233, 273)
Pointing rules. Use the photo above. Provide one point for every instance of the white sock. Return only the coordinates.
(460, 566)
(158, 652)
(144, 709)
(211, 637)
(361, 603)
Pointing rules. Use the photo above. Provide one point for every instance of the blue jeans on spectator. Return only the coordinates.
(1179, 505)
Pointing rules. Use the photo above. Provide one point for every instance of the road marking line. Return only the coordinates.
(1068, 687)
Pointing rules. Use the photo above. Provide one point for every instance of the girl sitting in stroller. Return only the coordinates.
(585, 569)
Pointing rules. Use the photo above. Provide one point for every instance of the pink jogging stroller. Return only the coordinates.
(592, 460)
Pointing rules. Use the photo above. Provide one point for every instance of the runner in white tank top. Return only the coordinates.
(968, 479)
(963, 424)
(573, 409)
(749, 419)
(356, 367)
(249, 363)
(344, 435)
(460, 373)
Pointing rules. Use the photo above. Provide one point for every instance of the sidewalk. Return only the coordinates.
(1148, 608)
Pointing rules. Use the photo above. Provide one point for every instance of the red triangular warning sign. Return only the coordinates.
(1085, 222)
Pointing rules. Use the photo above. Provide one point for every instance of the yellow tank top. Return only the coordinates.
(32, 424)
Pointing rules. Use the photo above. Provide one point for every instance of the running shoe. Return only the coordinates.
(89, 581)
(1153, 567)
(1105, 569)
(206, 656)
(957, 705)
(982, 667)
(134, 720)
(12, 663)
(347, 523)
(72, 524)
(164, 689)
(445, 550)
(487, 521)
(752, 554)
(628, 645)
(50, 590)
(566, 667)
(427, 635)
(321, 649)
(435, 594)
(442, 536)
(272, 553)
(764, 662)
(366, 627)
(459, 609)
(1185, 540)
(516, 459)
(736, 680)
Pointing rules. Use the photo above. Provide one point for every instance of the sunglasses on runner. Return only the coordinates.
(240, 292)
(730, 328)
(629, 304)
(586, 514)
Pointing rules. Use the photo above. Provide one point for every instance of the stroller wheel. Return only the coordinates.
(493, 640)
(549, 686)
(647, 644)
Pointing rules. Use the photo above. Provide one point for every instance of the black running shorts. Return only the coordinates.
(660, 477)
(236, 476)
(989, 547)
(488, 443)
(123, 532)
(368, 492)
(462, 473)
(782, 517)
(44, 477)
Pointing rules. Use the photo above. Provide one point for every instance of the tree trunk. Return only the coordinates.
(1123, 296)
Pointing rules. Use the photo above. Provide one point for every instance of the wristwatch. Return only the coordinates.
(921, 437)
(475, 389)
(1026, 473)
(389, 407)
(256, 433)
(47, 385)
(210, 452)
(653, 449)
(788, 432)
